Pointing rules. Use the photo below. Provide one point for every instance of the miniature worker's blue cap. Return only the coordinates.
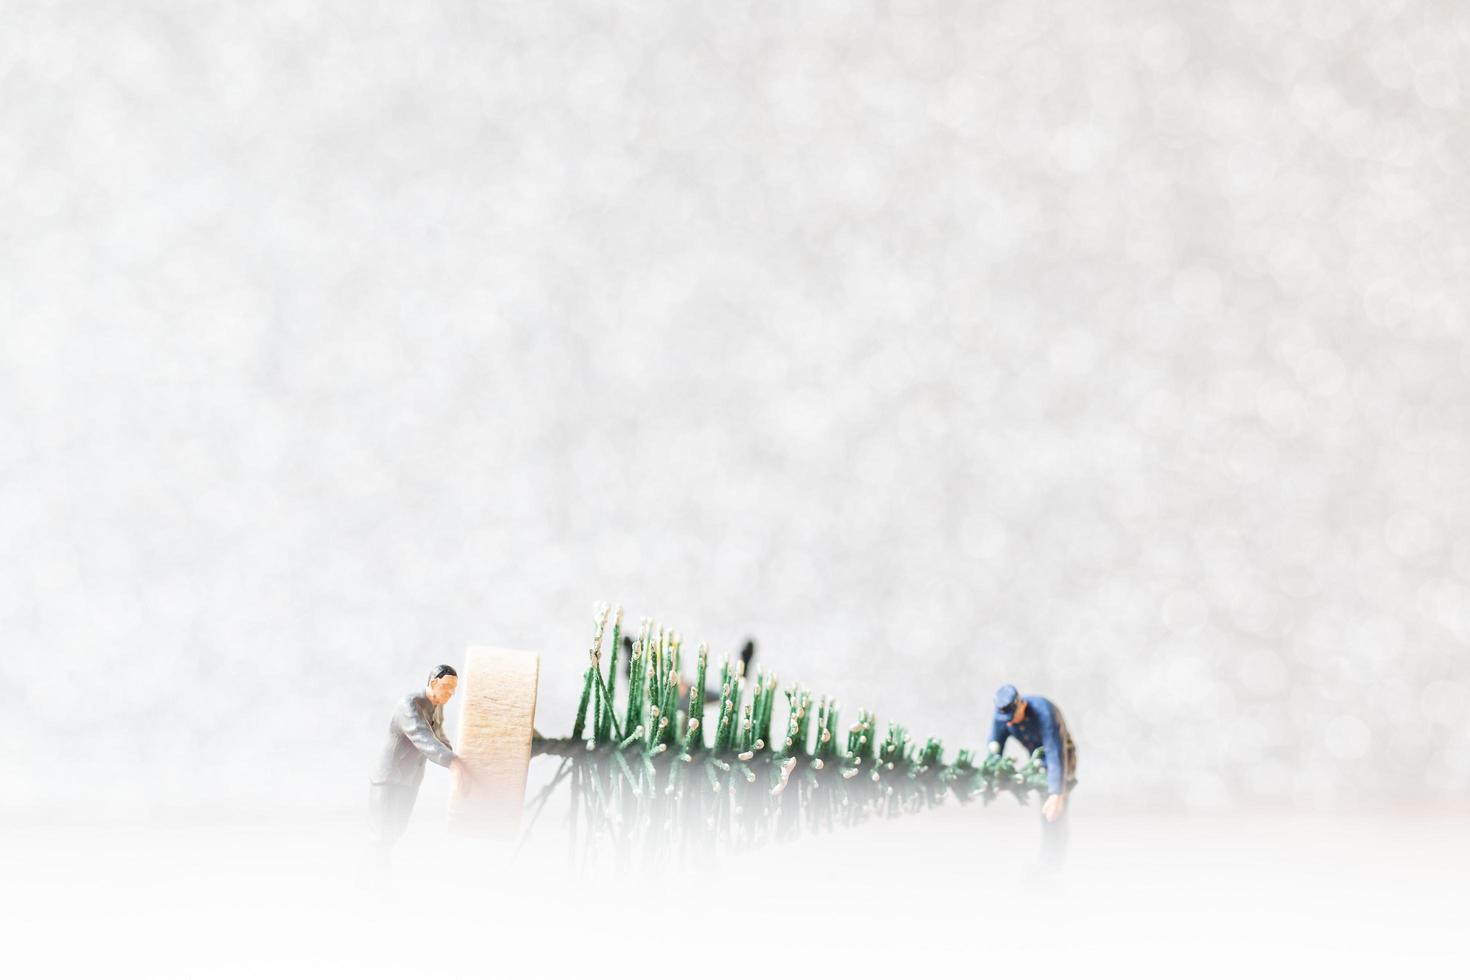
(1005, 701)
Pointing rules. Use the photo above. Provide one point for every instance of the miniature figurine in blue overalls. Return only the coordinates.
(1037, 723)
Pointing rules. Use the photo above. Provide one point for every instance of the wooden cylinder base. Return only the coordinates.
(497, 719)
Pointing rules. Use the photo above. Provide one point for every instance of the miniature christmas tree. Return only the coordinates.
(666, 773)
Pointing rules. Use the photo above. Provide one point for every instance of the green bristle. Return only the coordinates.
(612, 676)
(582, 707)
(609, 719)
(801, 722)
(596, 698)
(629, 715)
(660, 668)
(646, 675)
(650, 687)
(654, 685)
(757, 704)
(695, 737)
(793, 706)
(898, 740)
(763, 725)
(633, 718)
(808, 718)
(855, 739)
(671, 709)
(826, 742)
(817, 719)
(660, 674)
(595, 654)
(727, 711)
(726, 689)
(760, 714)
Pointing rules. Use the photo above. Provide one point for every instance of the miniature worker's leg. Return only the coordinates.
(389, 807)
(1054, 832)
(1053, 843)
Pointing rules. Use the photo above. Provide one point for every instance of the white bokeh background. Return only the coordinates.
(1119, 350)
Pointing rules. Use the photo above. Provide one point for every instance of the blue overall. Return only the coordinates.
(1042, 727)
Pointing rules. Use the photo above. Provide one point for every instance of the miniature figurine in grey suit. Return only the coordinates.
(415, 733)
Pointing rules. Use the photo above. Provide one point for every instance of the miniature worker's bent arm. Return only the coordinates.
(998, 735)
(418, 732)
(1051, 741)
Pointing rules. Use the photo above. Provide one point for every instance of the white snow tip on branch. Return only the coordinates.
(786, 768)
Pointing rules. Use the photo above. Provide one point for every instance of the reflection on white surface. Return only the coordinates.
(956, 888)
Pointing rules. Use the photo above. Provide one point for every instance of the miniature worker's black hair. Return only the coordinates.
(443, 670)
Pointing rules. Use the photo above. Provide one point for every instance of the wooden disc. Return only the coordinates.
(498, 688)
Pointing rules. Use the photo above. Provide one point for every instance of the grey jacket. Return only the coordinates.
(416, 733)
